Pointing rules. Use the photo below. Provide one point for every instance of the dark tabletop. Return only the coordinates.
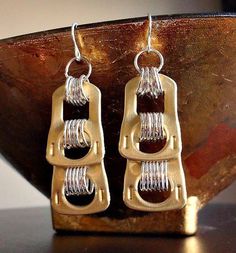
(29, 230)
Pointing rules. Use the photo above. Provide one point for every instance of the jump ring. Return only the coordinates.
(81, 59)
(149, 50)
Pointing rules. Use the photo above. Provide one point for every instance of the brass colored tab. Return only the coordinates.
(59, 202)
(129, 148)
(93, 128)
(93, 159)
(177, 198)
(129, 136)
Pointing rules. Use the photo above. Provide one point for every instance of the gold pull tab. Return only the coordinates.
(169, 155)
(92, 161)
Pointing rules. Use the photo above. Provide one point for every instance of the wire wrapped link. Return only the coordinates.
(154, 176)
(151, 126)
(74, 135)
(150, 83)
(74, 91)
(77, 182)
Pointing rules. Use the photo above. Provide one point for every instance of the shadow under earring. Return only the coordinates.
(77, 177)
(161, 171)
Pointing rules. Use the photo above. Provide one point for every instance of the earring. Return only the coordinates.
(161, 171)
(84, 176)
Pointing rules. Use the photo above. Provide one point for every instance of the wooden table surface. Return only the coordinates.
(29, 230)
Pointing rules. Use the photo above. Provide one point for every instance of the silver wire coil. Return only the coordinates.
(77, 182)
(74, 135)
(150, 83)
(154, 176)
(151, 126)
(74, 90)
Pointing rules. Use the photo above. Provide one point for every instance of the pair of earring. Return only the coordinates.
(160, 171)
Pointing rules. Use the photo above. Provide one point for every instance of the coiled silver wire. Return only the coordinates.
(74, 136)
(74, 91)
(150, 83)
(77, 182)
(151, 126)
(154, 176)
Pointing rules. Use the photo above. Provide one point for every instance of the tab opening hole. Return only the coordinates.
(76, 153)
(152, 147)
(155, 196)
(81, 199)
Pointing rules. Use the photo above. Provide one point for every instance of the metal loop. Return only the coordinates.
(76, 182)
(150, 83)
(81, 59)
(151, 126)
(74, 135)
(154, 176)
(74, 91)
(151, 50)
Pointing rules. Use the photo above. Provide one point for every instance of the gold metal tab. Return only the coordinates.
(93, 159)
(129, 148)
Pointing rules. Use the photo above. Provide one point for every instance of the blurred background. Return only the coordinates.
(27, 16)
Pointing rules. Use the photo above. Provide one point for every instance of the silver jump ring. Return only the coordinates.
(154, 176)
(74, 134)
(151, 126)
(149, 50)
(76, 182)
(81, 59)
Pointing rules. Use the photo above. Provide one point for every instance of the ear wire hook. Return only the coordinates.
(149, 49)
(149, 33)
(78, 57)
(77, 52)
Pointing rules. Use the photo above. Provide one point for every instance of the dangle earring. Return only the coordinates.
(161, 171)
(84, 176)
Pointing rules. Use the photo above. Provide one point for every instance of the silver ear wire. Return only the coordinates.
(149, 32)
(149, 49)
(76, 48)
(74, 86)
(78, 57)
